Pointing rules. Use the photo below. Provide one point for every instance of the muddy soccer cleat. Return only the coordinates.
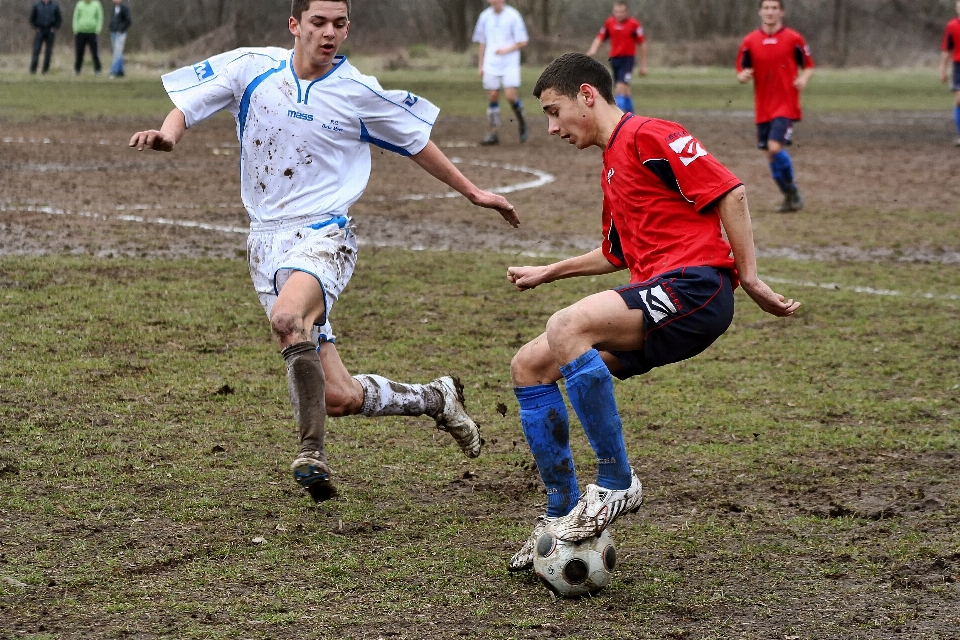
(453, 416)
(313, 475)
(791, 202)
(491, 139)
(597, 509)
(523, 559)
(524, 133)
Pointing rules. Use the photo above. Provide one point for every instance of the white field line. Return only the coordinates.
(832, 286)
(542, 178)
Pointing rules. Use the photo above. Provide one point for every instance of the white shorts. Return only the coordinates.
(326, 249)
(509, 80)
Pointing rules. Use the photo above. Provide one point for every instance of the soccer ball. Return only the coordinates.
(573, 569)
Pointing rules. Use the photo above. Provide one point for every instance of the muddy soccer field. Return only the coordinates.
(802, 477)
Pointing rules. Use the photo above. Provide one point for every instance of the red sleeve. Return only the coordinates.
(744, 54)
(804, 48)
(604, 31)
(701, 178)
(611, 247)
(638, 34)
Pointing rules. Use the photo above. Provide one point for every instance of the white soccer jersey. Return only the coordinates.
(304, 146)
(497, 31)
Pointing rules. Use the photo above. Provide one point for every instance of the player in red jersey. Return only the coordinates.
(778, 61)
(951, 50)
(666, 203)
(624, 33)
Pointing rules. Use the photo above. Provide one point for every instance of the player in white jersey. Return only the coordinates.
(501, 33)
(305, 119)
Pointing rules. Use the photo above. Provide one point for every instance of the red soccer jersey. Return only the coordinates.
(775, 60)
(951, 39)
(624, 36)
(660, 189)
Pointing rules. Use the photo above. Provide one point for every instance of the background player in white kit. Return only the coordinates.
(305, 120)
(501, 33)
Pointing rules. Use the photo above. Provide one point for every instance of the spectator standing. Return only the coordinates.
(87, 25)
(45, 18)
(501, 34)
(119, 24)
(951, 52)
(626, 35)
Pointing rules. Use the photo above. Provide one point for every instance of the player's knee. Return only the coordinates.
(562, 325)
(285, 325)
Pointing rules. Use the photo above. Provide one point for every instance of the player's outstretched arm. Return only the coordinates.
(589, 264)
(170, 133)
(735, 217)
(801, 82)
(944, 64)
(595, 46)
(439, 166)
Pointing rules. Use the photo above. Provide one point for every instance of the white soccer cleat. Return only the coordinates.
(523, 559)
(453, 417)
(597, 509)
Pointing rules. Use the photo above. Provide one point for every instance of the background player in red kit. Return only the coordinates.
(624, 32)
(951, 49)
(666, 203)
(778, 61)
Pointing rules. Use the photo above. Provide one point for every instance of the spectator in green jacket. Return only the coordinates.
(87, 24)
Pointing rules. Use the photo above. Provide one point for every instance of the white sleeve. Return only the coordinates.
(520, 30)
(480, 32)
(205, 88)
(398, 121)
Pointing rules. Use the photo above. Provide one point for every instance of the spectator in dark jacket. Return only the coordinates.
(45, 18)
(119, 24)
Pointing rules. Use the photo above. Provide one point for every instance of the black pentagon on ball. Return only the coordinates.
(576, 571)
(546, 543)
(610, 558)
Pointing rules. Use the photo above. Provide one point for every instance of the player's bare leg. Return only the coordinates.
(493, 118)
(298, 306)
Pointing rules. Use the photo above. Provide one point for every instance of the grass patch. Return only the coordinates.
(146, 433)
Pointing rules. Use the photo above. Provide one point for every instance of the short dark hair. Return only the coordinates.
(779, 2)
(297, 7)
(565, 75)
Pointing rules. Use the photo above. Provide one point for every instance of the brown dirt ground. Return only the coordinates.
(83, 172)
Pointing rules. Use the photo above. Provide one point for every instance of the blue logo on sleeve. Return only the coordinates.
(203, 70)
(410, 99)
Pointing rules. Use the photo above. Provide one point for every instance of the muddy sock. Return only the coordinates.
(305, 381)
(546, 426)
(590, 389)
(781, 168)
(493, 114)
(382, 397)
(518, 110)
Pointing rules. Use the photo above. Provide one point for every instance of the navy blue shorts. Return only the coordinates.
(685, 311)
(779, 130)
(955, 84)
(622, 67)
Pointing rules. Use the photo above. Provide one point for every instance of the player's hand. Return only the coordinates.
(943, 76)
(800, 83)
(498, 202)
(771, 302)
(643, 71)
(745, 76)
(524, 278)
(153, 139)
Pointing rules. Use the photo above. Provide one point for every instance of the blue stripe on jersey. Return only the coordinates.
(383, 144)
(214, 76)
(306, 96)
(245, 100)
(296, 80)
(392, 102)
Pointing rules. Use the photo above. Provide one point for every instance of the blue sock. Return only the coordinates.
(628, 103)
(781, 168)
(546, 427)
(956, 118)
(621, 102)
(590, 389)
